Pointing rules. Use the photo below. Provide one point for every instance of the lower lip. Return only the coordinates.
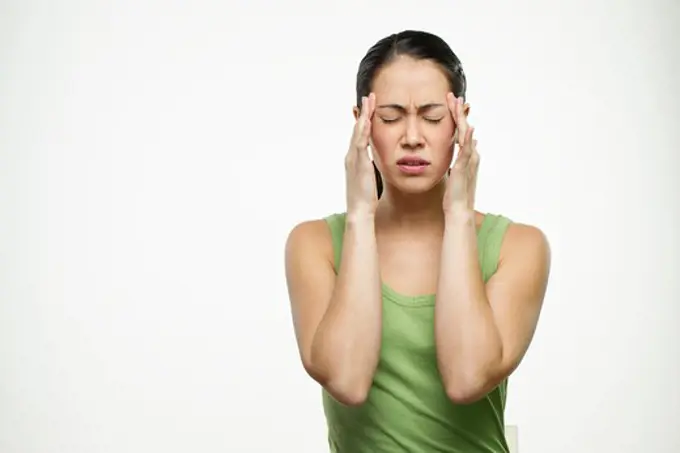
(412, 169)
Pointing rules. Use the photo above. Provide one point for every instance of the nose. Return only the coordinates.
(412, 139)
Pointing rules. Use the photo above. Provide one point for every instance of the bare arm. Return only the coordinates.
(337, 318)
(483, 331)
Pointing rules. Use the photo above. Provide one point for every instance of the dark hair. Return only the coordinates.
(419, 45)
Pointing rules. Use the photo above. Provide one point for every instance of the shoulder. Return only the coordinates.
(524, 242)
(311, 236)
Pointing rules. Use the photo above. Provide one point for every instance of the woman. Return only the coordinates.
(411, 309)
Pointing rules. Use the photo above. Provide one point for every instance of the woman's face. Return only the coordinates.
(412, 128)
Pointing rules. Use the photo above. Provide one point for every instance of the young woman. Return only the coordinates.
(411, 309)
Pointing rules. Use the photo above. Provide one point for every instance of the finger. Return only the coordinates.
(364, 110)
(474, 157)
(472, 178)
(465, 151)
(463, 126)
(371, 106)
(357, 133)
(473, 165)
(360, 125)
(368, 116)
(468, 137)
(452, 104)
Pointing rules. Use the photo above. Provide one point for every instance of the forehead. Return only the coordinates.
(408, 81)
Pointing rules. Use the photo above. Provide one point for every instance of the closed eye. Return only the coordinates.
(429, 120)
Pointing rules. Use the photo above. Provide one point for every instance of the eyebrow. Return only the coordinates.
(421, 108)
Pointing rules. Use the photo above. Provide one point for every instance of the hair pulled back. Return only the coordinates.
(419, 45)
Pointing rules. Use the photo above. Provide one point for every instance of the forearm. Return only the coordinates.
(346, 346)
(469, 348)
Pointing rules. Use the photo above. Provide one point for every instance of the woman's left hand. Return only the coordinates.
(462, 181)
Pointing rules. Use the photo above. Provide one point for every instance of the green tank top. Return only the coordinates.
(407, 409)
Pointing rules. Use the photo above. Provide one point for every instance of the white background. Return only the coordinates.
(155, 155)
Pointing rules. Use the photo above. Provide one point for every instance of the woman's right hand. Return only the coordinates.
(362, 196)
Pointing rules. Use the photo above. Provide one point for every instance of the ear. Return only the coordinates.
(356, 112)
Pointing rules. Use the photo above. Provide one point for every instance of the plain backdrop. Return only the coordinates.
(154, 156)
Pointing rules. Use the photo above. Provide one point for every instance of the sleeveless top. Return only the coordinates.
(407, 409)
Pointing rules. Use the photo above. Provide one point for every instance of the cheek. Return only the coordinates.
(441, 141)
(383, 142)
(384, 138)
(379, 156)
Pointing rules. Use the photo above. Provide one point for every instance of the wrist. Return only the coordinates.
(459, 215)
(360, 218)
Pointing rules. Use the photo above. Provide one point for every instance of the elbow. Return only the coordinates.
(469, 383)
(470, 389)
(352, 396)
(348, 390)
(464, 395)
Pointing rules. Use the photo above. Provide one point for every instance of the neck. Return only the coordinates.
(411, 210)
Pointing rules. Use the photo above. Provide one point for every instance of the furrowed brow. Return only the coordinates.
(421, 109)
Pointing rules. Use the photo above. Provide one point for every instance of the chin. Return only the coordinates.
(414, 185)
